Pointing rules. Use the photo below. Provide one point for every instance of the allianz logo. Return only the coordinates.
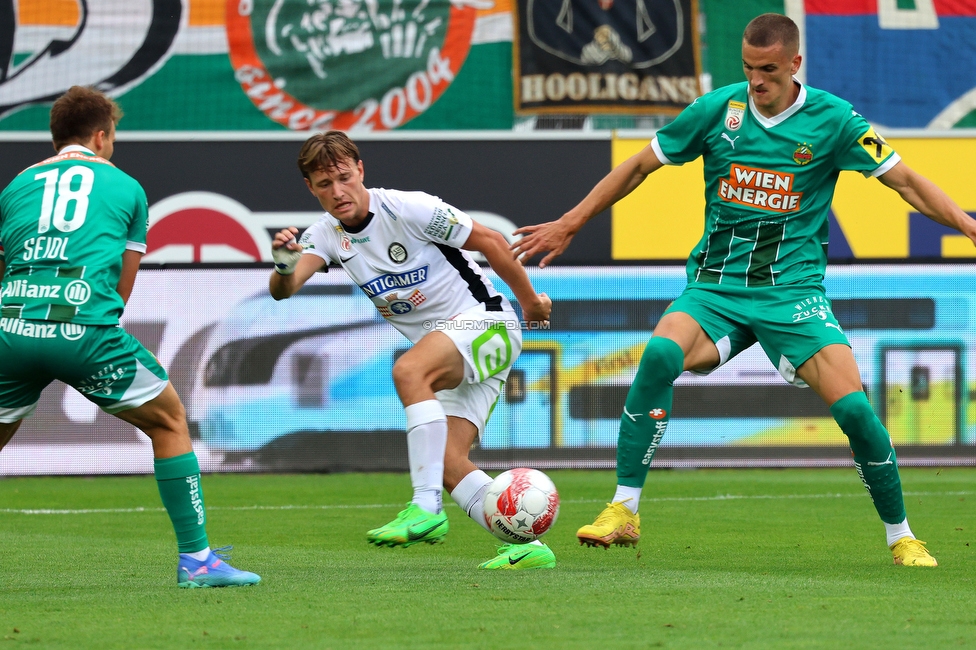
(75, 292)
(42, 329)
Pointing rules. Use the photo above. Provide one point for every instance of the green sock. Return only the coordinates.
(178, 479)
(874, 457)
(647, 410)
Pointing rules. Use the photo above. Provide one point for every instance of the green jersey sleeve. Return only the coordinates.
(139, 225)
(861, 149)
(683, 140)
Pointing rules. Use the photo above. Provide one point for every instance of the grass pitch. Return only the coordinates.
(727, 558)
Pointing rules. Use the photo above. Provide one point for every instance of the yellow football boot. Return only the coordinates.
(615, 525)
(908, 551)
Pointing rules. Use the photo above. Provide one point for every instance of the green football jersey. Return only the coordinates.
(769, 182)
(64, 225)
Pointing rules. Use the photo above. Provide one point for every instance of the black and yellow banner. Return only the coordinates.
(606, 56)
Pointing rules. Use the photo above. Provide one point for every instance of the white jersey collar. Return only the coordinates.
(72, 148)
(777, 119)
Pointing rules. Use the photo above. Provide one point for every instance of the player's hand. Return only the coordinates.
(540, 311)
(552, 237)
(285, 250)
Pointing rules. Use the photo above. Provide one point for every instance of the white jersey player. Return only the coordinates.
(409, 263)
(406, 251)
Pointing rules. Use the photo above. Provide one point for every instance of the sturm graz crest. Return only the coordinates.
(347, 64)
(397, 252)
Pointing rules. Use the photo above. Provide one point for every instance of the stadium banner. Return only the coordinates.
(322, 67)
(611, 56)
(866, 51)
(169, 62)
(664, 217)
(305, 384)
(262, 64)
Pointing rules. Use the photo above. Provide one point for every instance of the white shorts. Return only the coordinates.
(489, 342)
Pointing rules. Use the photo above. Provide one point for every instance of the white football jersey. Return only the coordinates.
(406, 258)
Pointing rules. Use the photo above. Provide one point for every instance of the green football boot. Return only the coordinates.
(516, 557)
(412, 525)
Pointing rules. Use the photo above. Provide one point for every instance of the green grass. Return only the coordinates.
(797, 560)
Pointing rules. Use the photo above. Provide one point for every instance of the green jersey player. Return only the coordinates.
(72, 232)
(772, 150)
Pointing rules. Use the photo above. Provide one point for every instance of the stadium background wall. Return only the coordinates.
(889, 59)
(231, 350)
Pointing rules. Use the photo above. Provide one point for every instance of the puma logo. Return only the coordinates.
(731, 140)
(632, 416)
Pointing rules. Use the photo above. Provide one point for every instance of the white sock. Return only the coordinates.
(895, 532)
(629, 496)
(426, 442)
(199, 556)
(470, 495)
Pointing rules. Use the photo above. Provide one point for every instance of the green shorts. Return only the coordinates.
(791, 323)
(106, 364)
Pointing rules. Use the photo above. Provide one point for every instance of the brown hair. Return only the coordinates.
(769, 29)
(325, 151)
(79, 114)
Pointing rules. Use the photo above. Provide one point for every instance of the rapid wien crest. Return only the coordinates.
(347, 64)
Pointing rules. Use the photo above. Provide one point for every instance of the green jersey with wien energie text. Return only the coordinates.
(769, 182)
(64, 225)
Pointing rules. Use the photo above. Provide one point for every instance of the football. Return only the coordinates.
(520, 505)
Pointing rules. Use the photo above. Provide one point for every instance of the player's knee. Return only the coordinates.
(170, 415)
(663, 360)
(411, 372)
(856, 418)
(405, 373)
(852, 412)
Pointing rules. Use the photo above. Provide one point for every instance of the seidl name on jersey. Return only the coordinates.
(392, 281)
(759, 188)
(46, 248)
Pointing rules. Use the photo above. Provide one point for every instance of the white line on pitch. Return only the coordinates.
(719, 497)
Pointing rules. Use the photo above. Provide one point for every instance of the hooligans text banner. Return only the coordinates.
(603, 56)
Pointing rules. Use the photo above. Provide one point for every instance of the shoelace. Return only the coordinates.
(915, 548)
(404, 514)
(605, 517)
(223, 552)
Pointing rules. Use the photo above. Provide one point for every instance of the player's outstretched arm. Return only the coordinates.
(292, 269)
(554, 236)
(127, 278)
(926, 197)
(491, 244)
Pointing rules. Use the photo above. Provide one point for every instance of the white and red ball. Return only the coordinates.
(520, 505)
